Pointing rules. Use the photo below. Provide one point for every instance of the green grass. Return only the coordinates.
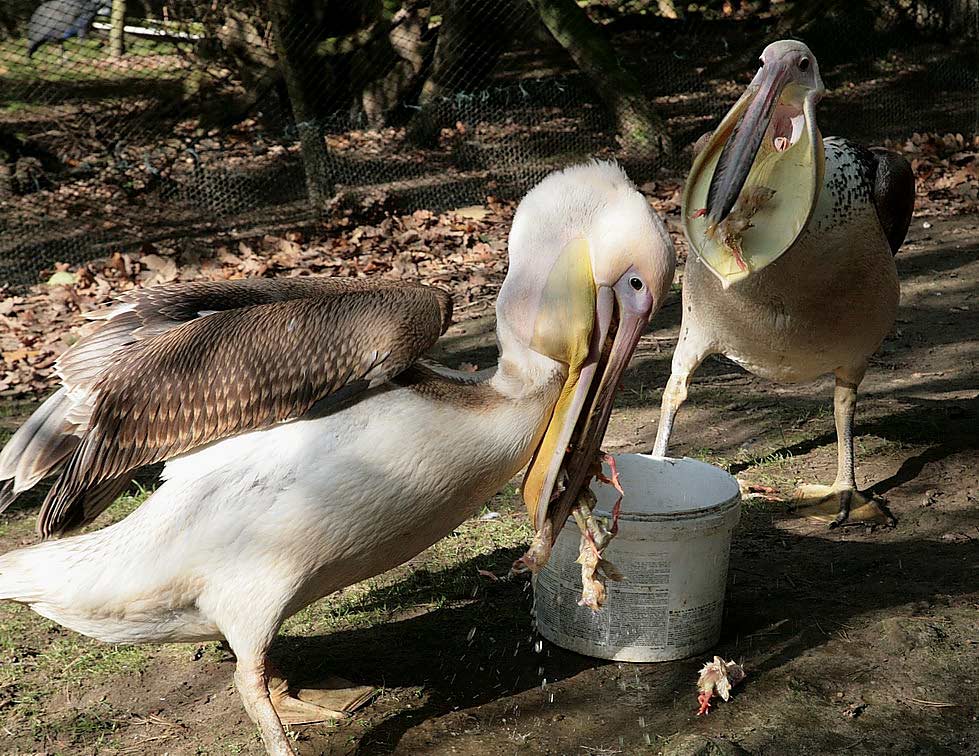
(47, 60)
(87, 65)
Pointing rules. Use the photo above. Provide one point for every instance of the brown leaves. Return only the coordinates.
(288, 255)
(946, 170)
(30, 338)
(18, 354)
(157, 270)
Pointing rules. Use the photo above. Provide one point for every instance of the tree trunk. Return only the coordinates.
(404, 43)
(963, 17)
(470, 41)
(117, 31)
(641, 131)
(296, 48)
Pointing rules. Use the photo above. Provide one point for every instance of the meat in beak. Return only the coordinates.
(753, 187)
(740, 150)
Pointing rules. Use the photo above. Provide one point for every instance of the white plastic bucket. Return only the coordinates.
(673, 544)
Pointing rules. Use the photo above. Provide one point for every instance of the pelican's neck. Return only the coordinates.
(522, 372)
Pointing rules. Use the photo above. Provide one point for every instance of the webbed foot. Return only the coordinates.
(838, 506)
(328, 699)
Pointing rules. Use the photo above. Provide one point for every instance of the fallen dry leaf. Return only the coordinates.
(19, 354)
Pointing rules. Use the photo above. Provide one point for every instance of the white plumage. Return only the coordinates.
(249, 529)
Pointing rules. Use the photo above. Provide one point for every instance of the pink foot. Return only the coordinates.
(609, 460)
(613, 480)
(704, 700)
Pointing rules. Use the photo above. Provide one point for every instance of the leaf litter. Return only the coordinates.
(462, 251)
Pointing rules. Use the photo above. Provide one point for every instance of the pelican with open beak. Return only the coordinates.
(307, 447)
(793, 238)
(753, 189)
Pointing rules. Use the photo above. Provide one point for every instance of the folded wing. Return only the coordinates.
(175, 368)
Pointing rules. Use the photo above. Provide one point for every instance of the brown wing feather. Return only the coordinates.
(168, 380)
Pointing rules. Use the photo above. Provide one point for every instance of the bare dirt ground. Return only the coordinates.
(855, 641)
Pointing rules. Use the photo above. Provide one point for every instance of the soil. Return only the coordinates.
(855, 640)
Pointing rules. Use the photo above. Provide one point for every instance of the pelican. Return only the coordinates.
(791, 272)
(307, 444)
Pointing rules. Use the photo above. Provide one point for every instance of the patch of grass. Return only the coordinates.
(78, 728)
(83, 60)
(32, 645)
(72, 659)
(708, 455)
(14, 106)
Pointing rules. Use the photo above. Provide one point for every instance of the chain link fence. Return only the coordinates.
(124, 124)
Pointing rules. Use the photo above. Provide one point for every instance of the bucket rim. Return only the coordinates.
(694, 513)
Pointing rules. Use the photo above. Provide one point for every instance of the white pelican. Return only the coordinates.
(307, 447)
(791, 273)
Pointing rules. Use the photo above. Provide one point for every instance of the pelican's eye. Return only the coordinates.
(636, 283)
(804, 64)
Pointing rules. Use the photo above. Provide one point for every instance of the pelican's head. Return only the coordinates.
(767, 153)
(590, 262)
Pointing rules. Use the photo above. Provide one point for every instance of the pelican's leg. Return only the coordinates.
(330, 698)
(252, 685)
(688, 356)
(844, 409)
(842, 501)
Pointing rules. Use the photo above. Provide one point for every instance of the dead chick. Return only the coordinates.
(731, 229)
(595, 537)
(596, 533)
(717, 678)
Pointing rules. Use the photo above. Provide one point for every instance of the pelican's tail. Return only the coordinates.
(54, 580)
(50, 572)
(19, 579)
(38, 448)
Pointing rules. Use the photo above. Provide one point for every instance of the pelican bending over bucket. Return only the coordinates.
(307, 447)
(793, 238)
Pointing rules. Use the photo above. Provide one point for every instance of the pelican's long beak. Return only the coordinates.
(588, 328)
(753, 188)
(738, 155)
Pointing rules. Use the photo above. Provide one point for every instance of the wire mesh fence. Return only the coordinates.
(124, 124)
